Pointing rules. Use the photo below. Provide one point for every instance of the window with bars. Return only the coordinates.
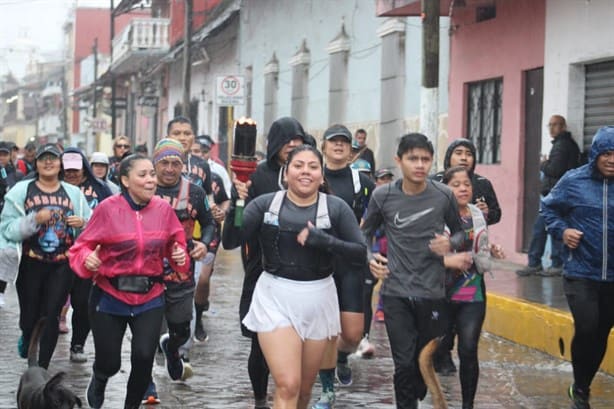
(484, 119)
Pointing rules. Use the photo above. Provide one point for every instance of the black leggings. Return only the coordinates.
(369, 284)
(108, 331)
(467, 319)
(79, 296)
(42, 289)
(592, 307)
(258, 370)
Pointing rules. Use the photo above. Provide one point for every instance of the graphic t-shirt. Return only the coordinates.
(53, 239)
(466, 286)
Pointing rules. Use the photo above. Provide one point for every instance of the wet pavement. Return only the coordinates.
(512, 376)
(542, 290)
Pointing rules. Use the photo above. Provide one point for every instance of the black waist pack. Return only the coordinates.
(134, 283)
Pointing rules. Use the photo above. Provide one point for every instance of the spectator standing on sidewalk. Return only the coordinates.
(580, 211)
(564, 155)
(123, 249)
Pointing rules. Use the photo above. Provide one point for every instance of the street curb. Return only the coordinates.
(539, 327)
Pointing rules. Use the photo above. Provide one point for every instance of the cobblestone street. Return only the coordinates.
(512, 376)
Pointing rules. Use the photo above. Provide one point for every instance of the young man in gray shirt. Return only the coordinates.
(413, 211)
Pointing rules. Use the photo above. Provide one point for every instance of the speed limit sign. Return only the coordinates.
(230, 90)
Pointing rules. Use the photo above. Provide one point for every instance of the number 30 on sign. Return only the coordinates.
(230, 90)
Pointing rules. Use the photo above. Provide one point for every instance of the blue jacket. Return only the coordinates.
(584, 200)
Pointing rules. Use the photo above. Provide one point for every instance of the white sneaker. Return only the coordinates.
(2, 302)
(365, 349)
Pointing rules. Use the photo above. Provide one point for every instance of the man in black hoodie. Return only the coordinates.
(285, 135)
(461, 152)
(564, 155)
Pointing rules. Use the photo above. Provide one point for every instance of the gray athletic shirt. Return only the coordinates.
(410, 222)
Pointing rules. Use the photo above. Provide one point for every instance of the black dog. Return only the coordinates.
(37, 389)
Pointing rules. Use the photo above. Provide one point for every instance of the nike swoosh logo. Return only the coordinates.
(406, 221)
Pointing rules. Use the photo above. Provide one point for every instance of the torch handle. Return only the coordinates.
(239, 206)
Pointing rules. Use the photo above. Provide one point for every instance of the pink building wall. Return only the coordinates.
(505, 47)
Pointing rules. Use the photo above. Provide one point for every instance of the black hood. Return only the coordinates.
(282, 131)
(455, 144)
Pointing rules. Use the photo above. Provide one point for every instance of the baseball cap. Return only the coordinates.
(5, 147)
(30, 146)
(50, 148)
(383, 172)
(338, 130)
(72, 160)
(99, 157)
(206, 141)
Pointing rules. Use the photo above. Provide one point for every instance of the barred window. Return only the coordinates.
(484, 119)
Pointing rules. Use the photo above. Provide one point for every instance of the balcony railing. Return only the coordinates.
(141, 36)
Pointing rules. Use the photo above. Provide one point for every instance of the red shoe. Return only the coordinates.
(378, 316)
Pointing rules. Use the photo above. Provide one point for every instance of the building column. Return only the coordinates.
(392, 89)
(271, 85)
(300, 83)
(339, 50)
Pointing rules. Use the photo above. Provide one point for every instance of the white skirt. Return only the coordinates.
(310, 307)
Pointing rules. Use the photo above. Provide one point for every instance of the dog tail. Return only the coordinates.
(34, 341)
(425, 362)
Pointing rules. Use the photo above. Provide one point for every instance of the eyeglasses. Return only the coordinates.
(122, 145)
(48, 158)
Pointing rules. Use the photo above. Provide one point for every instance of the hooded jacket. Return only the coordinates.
(100, 187)
(584, 200)
(266, 179)
(564, 155)
(482, 188)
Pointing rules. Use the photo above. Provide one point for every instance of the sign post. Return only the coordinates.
(230, 90)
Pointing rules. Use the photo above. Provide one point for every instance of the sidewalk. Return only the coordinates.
(533, 311)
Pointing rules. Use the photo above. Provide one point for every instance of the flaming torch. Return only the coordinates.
(244, 161)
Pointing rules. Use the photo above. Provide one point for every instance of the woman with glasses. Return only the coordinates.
(121, 149)
(41, 218)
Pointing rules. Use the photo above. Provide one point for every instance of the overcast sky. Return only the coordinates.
(34, 24)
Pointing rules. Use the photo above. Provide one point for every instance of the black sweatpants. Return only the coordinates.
(108, 331)
(42, 289)
(410, 324)
(592, 307)
(79, 296)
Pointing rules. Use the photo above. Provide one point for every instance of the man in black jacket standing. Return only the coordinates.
(564, 155)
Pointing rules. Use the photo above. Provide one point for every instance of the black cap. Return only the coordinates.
(5, 147)
(50, 148)
(338, 130)
(383, 172)
(30, 146)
